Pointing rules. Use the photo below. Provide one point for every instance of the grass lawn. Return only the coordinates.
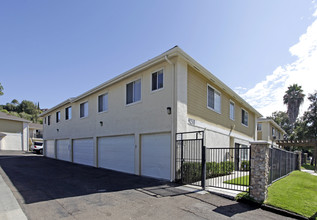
(296, 193)
(242, 181)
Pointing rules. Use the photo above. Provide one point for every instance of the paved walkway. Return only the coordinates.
(9, 207)
(312, 172)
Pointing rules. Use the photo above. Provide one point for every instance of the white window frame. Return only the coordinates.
(157, 71)
(234, 110)
(242, 109)
(257, 127)
(126, 98)
(58, 116)
(71, 114)
(104, 110)
(85, 115)
(219, 93)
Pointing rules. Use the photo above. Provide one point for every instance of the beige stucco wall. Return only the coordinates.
(148, 115)
(144, 117)
(11, 126)
(266, 132)
(197, 106)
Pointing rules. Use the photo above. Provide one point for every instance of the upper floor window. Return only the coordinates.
(103, 103)
(133, 92)
(83, 110)
(259, 127)
(58, 116)
(49, 120)
(44, 120)
(244, 117)
(157, 80)
(214, 99)
(68, 113)
(273, 131)
(231, 110)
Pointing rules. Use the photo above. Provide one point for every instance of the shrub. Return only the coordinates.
(192, 170)
(245, 165)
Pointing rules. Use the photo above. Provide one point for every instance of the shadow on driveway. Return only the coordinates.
(39, 178)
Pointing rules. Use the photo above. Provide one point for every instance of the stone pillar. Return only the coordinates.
(305, 158)
(299, 160)
(259, 170)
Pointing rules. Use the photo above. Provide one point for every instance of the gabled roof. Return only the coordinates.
(173, 52)
(268, 120)
(12, 118)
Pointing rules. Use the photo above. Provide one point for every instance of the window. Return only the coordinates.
(103, 103)
(44, 120)
(244, 152)
(273, 131)
(214, 99)
(58, 116)
(49, 120)
(157, 80)
(231, 110)
(68, 113)
(133, 92)
(83, 109)
(245, 117)
(259, 127)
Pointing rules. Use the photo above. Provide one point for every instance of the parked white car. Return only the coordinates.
(37, 147)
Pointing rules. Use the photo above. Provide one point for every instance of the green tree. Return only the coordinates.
(15, 102)
(1, 89)
(281, 118)
(293, 98)
(310, 116)
(28, 107)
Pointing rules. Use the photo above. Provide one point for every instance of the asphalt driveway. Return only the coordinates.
(51, 189)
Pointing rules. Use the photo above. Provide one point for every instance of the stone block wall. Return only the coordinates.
(259, 170)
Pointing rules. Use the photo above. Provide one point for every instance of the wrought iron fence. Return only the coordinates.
(189, 149)
(281, 163)
(228, 168)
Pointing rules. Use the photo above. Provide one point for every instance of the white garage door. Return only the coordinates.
(50, 148)
(63, 150)
(83, 151)
(156, 156)
(11, 141)
(116, 153)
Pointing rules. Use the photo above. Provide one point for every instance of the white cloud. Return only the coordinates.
(267, 96)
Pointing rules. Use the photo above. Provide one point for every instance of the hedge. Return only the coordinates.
(192, 170)
(245, 165)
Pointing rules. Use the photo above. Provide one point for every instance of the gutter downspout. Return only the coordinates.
(174, 112)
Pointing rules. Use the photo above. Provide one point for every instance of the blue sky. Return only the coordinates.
(53, 50)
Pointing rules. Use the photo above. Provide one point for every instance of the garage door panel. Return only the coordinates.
(12, 141)
(83, 151)
(50, 148)
(63, 150)
(116, 153)
(155, 156)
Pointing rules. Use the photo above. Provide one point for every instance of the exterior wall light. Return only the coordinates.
(57, 130)
(169, 110)
(101, 123)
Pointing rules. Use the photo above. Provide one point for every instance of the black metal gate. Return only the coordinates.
(189, 157)
(227, 168)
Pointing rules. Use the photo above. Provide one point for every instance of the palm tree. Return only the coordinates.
(293, 98)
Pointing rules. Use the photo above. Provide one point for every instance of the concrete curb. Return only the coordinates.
(9, 207)
(263, 206)
(283, 212)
